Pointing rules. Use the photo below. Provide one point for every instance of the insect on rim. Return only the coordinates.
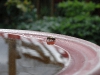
(50, 40)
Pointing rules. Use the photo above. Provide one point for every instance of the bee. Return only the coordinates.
(50, 40)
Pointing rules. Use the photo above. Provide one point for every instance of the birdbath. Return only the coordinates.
(25, 52)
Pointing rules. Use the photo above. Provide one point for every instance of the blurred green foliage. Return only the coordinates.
(79, 22)
(77, 8)
(75, 18)
(87, 28)
(15, 11)
(44, 24)
(24, 5)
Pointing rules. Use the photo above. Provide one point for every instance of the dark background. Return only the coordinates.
(77, 18)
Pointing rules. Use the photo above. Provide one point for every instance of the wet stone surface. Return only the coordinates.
(30, 56)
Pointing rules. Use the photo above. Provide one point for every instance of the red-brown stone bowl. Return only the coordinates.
(25, 52)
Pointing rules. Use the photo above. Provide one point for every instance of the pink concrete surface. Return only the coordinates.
(84, 56)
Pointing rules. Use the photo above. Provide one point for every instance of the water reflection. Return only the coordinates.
(3, 57)
(30, 56)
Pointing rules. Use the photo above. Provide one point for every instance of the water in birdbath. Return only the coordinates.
(23, 55)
